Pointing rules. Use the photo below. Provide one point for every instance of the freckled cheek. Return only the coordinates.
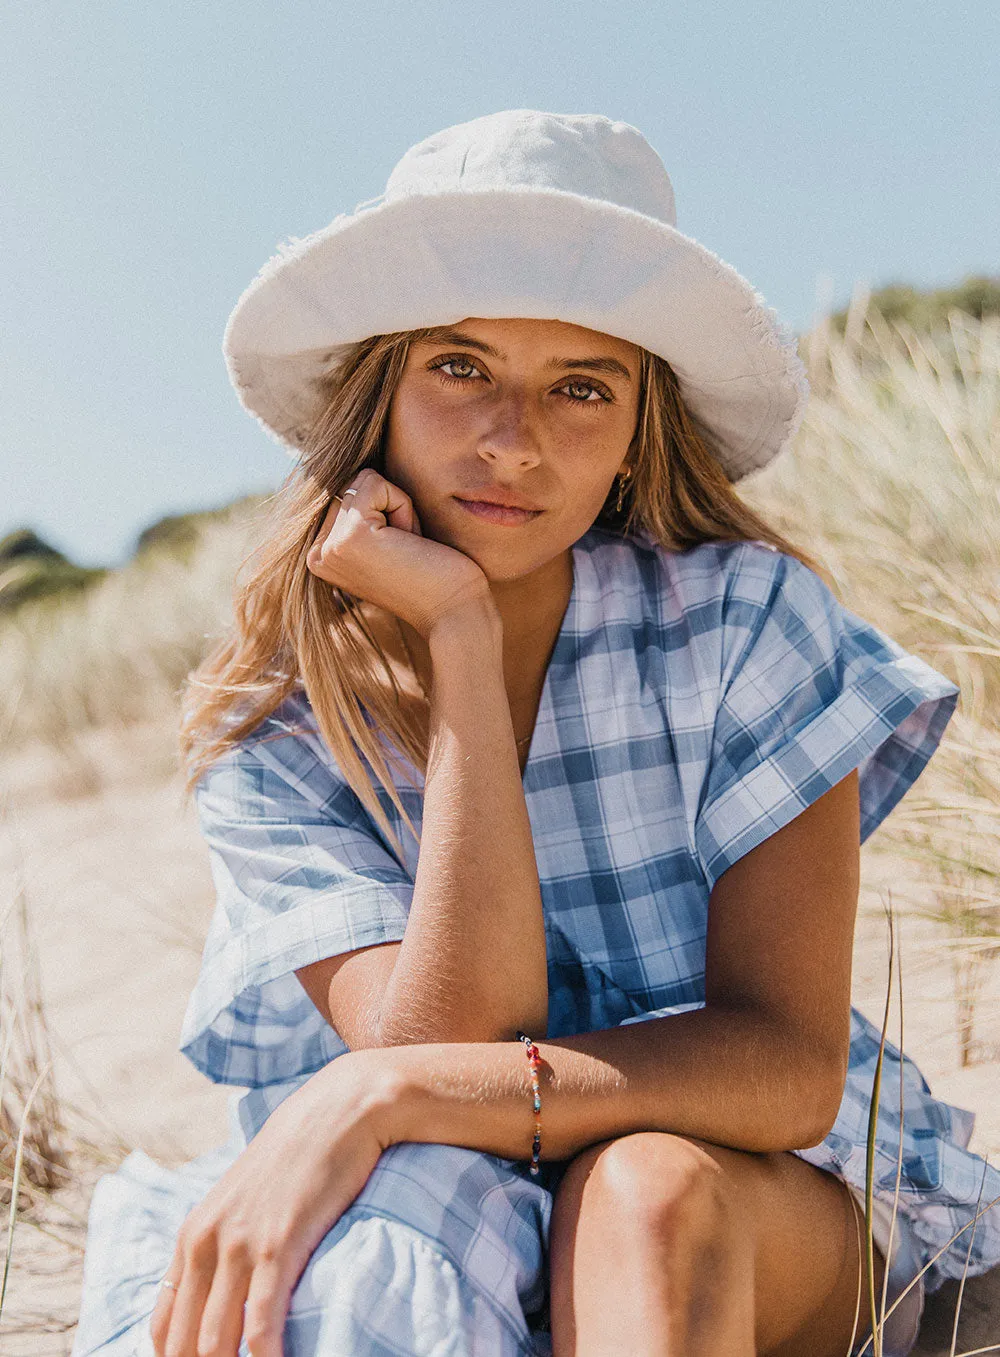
(420, 434)
(587, 466)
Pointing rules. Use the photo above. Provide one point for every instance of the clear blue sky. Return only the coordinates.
(152, 155)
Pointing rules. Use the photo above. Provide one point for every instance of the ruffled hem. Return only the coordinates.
(931, 1216)
(417, 1305)
(415, 1301)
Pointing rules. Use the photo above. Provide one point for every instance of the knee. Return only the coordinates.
(667, 1186)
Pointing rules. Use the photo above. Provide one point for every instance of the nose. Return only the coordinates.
(509, 437)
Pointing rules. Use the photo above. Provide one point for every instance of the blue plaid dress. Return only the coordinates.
(695, 702)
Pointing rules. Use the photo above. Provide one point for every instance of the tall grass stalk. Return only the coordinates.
(15, 1188)
(979, 1213)
(27, 1051)
(31, 1117)
(870, 1152)
(51, 1138)
(965, 1270)
(896, 935)
(875, 1339)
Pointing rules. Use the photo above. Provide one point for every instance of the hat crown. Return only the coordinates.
(582, 153)
(530, 214)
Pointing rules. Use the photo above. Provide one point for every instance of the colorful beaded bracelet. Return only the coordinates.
(533, 1059)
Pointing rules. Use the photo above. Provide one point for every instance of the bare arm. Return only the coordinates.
(472, 963)
(761, 1067)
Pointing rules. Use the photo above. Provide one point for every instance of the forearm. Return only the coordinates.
(732, 1077)
(472, 963)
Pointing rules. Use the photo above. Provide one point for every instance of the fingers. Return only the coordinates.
(369, 499)
(159, 1322)
(222, 1321)
(380, 501)
(395, 505)
(370, 546)
(174, 1328)
(267, 1305)
(214, 1308)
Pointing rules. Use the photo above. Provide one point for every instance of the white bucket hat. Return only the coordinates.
(521, 213)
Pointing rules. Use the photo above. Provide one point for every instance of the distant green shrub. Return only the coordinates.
(178, 535)
(976, 295)
(31, 569)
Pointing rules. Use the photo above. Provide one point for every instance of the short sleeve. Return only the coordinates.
(299, 875)
(809, 692)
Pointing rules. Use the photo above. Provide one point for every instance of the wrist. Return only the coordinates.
(475, 623)
(402, 1098)
(371, 1082)
(399, 1093)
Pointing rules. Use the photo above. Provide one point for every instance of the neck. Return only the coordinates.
(531, 608)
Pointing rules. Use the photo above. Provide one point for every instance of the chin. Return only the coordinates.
(502, 554)
(496, 564)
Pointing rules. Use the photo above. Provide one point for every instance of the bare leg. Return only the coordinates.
(666, 1245)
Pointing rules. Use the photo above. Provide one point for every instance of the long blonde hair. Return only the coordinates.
(292, 629)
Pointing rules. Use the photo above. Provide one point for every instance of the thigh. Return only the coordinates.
(801, 1220)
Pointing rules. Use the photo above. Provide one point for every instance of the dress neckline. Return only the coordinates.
(546, 701)
(566, 637)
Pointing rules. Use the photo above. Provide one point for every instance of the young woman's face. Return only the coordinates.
(539, 412)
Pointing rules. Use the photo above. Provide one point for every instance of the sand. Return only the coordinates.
(119, 896)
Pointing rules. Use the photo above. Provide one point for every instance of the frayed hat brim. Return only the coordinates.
(436, 258)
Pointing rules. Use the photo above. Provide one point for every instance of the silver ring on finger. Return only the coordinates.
(164, 1282)
(349, 492)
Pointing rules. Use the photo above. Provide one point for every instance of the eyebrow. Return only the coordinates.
(599, 363)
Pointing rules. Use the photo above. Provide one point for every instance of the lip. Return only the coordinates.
(490, 512)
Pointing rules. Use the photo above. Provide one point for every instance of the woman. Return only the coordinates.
(529, 728)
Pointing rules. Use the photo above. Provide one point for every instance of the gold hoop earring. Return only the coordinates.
(623, 481)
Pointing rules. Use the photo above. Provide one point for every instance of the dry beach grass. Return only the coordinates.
(894, 482)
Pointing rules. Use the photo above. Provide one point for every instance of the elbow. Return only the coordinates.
(795, 1125)
(803, 1108)
(817, 1102)
(810, 1131)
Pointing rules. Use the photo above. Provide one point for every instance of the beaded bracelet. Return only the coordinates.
(533, 1059)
